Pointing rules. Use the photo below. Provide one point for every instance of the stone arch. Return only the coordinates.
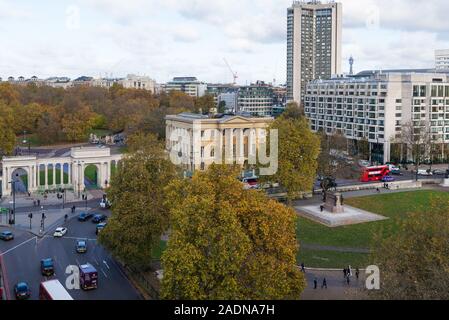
(92, 177)
(22, 178)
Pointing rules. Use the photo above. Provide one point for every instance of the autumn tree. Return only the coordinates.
(413, 260)
(298, 150)
(7, 136)
(227, 242)
(204, 104)
(139, 212)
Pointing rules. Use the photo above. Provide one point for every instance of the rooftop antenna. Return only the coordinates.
(351, 63)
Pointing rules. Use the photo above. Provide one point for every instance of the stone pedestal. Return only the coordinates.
(333, 203)
(445, 183)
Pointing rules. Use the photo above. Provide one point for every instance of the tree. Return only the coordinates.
(139, 213)
(222, 107)
(418, 141)
(205, 103)
(298, 150)
(413, 261)
(334, 160)
(293, 111)
(7, 136)
(228, 243)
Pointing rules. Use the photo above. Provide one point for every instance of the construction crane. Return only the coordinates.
(234, 74)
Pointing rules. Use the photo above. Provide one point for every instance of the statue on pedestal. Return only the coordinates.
(334, 202)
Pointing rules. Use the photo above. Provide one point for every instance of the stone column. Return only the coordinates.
(229, 146)
(240, 147)
(61, 168)
(69, 173)
(218, 147)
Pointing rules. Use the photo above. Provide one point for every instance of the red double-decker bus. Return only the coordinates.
(375, 173)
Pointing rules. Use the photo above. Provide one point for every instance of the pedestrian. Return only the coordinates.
(378, 190)
(357, 273)
(65, 217)
(303, 269)
(315, 283)
(347, 279)
(324, 285)
(38, 202)
(344, 273)
(349, 271)
(321, 208)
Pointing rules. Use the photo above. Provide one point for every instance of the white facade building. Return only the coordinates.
(442, 59)
(375, 106)
(189, 85)
(314, 37)
(138, 82)
(224, 139)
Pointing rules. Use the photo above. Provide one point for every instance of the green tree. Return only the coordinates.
(298, 150)
(413, 261)
(139, 214)
(227, 242)
(222, 107)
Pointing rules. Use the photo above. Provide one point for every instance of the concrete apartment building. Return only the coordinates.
(314, 36)
(219, 138)
(374, 105)
(442, 59)
(256, 99)
(189, 85)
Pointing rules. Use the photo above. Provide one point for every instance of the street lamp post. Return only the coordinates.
(43, 219)
(12, 213)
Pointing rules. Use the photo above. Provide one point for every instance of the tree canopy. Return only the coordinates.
(139, 213)
(227, 242)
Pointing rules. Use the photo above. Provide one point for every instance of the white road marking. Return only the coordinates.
(104, 272)
(96, 261)
(104, 261)
(72, 238)
(15, 247)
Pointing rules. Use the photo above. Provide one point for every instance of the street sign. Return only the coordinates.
(4, 210)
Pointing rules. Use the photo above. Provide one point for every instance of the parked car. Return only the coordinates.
(22, 291)
(250, 183)
(6, 236)
(81, 246)
(59, 232)
(439, 171)
(99, 218)
(84, 216)
(364, 163)
(100, 227)
(47, 268)
(423, 172)
(388, 179)
(396, 172)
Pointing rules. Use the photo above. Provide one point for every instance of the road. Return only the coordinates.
(22, 257)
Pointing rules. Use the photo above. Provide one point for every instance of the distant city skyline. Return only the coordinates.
(167, 38)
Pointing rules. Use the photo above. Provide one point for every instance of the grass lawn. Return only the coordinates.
(50, 177)
(101, 132)
(395, 206)
(91, 173)
(34, 140)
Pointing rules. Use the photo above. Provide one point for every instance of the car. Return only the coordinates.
(100, 227)
(47, 268)
(81, 246)
(396, 172)
(22, 291)
(388, 179)
(60, 231)
(99, 218)
(84, 216)
(423, 172)
(439, 171)
(364, 163)
(6, 236)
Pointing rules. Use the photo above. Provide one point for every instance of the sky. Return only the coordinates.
(168, 38)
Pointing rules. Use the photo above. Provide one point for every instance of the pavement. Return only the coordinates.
(337, 288)
(21, 258)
